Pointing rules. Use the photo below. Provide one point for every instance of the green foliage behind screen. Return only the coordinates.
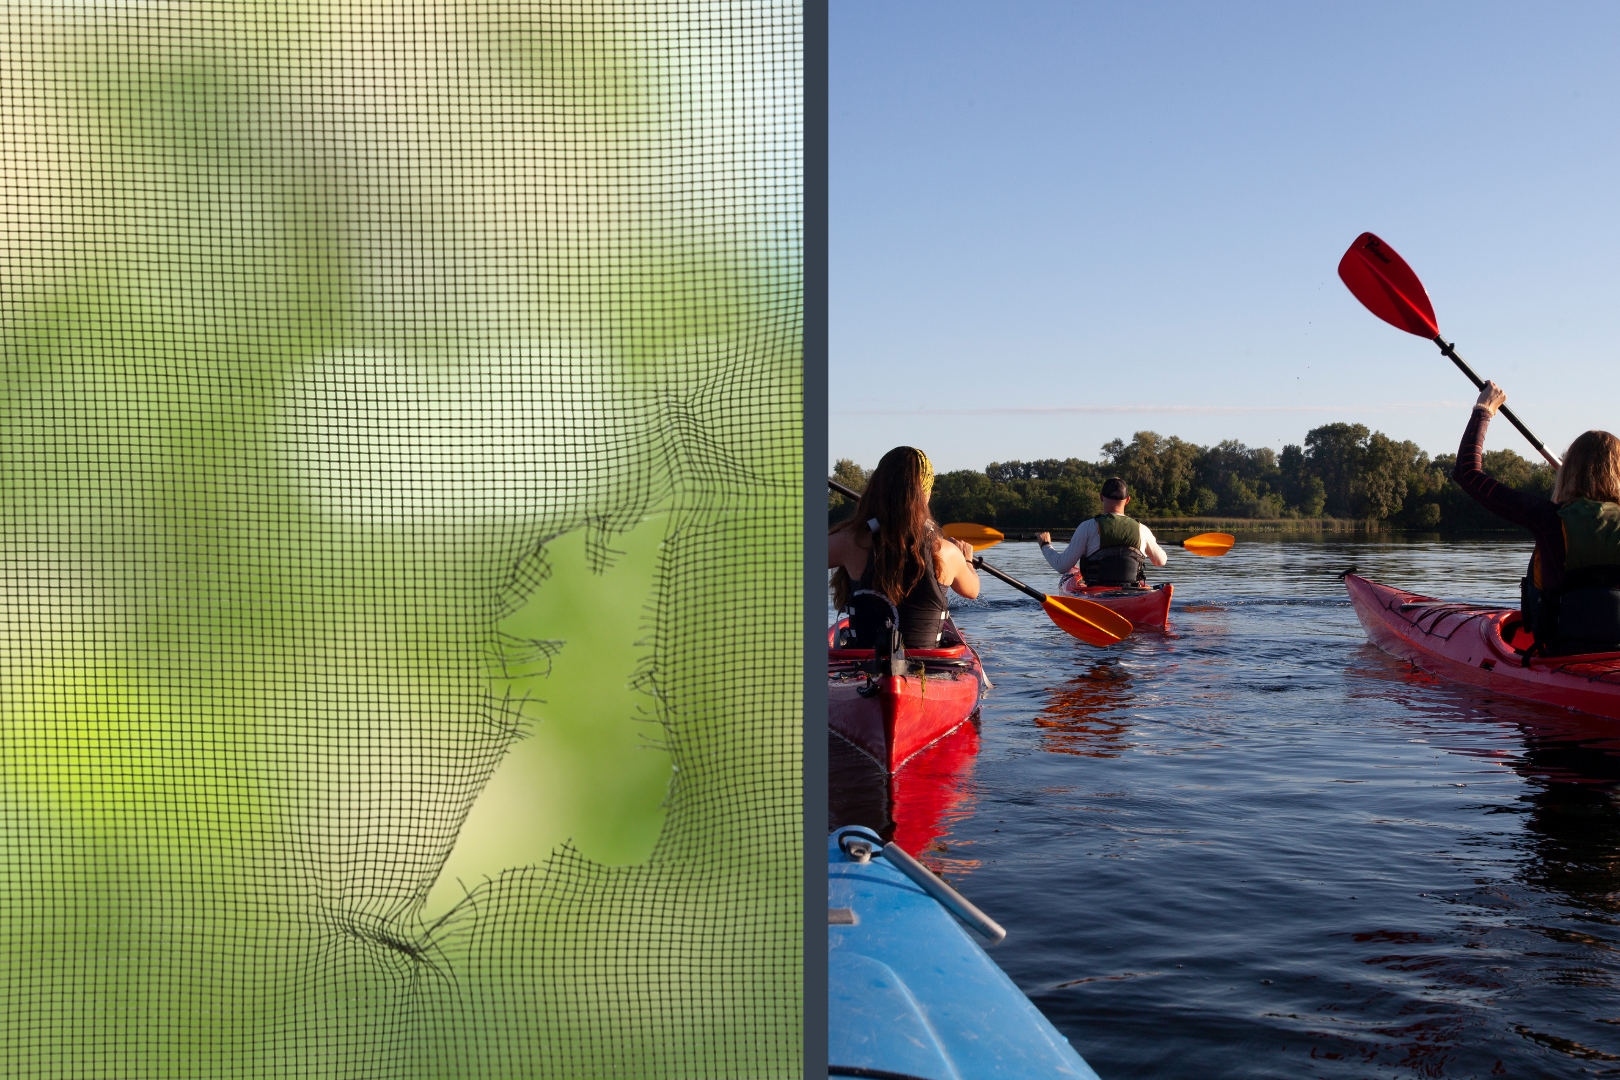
(344, 345)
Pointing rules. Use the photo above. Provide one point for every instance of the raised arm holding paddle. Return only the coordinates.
(1570, 595)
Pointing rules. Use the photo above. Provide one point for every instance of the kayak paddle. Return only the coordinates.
(1209, 544)
(1091, 623)
(980, 536)
(1389, 289)
(849, 493)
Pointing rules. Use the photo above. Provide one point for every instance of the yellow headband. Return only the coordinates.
(927, 473)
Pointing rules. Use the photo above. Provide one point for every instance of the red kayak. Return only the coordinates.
(1480, 646)
(891, 718)
(1147, 608)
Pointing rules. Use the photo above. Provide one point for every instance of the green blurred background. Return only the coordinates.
(352, 351)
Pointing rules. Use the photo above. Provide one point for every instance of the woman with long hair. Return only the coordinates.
(1571, 594)
(892, 563)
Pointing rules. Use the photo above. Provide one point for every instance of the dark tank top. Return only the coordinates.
(922, 612)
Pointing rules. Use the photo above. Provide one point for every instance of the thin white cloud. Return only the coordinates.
(1157, 410)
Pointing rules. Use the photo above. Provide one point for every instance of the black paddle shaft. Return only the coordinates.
(854, 496)
(1450, 350)
(980, 564)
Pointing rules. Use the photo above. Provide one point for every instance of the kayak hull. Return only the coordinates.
(1478, 646)
(911, 994)
(891, 718)
(1147, 608)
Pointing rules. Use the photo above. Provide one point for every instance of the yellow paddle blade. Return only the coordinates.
(1210, 544)
(980, 536)
(1091, 623)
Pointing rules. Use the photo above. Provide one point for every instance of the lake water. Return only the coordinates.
(1258, 846)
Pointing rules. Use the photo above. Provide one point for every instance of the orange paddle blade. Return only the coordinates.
(980, 536)
(1210, 544)
(1091, 623)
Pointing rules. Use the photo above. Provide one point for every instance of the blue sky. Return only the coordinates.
(1055, 224)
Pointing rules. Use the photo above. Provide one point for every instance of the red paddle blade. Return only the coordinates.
(1382, 281)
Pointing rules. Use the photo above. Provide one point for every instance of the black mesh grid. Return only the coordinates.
(319, 321)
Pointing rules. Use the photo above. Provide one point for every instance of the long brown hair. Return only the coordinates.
(1591, 470)
(896, 496)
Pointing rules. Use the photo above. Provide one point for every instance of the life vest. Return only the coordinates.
(1119, 558)
(1583, 614)
(919, 616)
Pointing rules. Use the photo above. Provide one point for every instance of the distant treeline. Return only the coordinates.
(1342, 471)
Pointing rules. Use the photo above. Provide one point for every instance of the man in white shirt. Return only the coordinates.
(1111, 549)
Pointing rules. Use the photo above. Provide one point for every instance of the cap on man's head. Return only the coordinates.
(1114, 488)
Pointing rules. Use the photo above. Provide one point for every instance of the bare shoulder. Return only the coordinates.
(845, 543)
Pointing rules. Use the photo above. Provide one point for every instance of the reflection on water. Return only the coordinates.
(1077, 718)
(915, 807)
(1258, 846)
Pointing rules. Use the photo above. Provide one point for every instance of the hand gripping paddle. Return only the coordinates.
(1389, 289)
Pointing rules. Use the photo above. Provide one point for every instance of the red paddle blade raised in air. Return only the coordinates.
(1382, 281)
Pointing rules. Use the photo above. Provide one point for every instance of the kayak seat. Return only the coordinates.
(1588, 622)
(1515, 636)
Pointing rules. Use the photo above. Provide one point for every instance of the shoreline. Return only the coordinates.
(1239, 526)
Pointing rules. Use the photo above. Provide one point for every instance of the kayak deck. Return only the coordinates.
(911, 994)
(1482, 646)
(1148, 608)
(892, 718)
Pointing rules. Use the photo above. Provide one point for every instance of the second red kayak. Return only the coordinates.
(1147, 608)
(892, 717)
(1478, 646)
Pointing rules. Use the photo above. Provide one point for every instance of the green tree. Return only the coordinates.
(852, 476)
(1077, 500)
(1426, 516)
(1003, 472)
(1244, 480)
(1160, 471)
(1301, 489)
(1458, 511)
(1232, 458)
(1333, 454)
(964, 495)
(1378, 486)
(1313, 501)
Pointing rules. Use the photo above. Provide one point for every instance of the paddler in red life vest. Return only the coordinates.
(1109, 549)
(892, 563)
(1570, 597)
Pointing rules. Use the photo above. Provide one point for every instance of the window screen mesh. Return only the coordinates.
(319, 321)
